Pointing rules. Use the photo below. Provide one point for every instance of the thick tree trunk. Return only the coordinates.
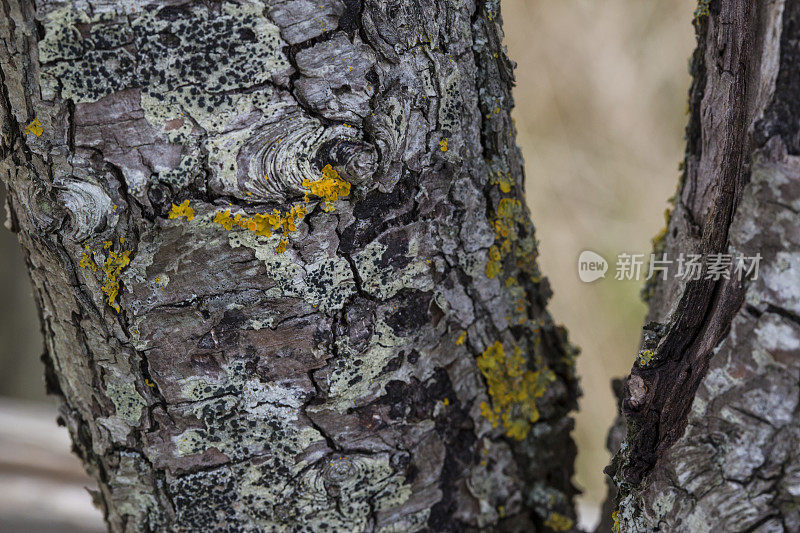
(713, 438)
(284, 266)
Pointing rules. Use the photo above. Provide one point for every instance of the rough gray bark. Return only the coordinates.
(364, 348)
(713, 439)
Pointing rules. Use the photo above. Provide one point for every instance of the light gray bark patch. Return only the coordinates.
(301, 21)
(333, 78)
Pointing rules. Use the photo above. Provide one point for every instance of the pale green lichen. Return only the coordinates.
(131, 490)
(293, 489)
(324, 284)
(301, 499)
(384, 282)
(127, 401)
(451, 102)
(490, 484)
(242, 398)
(85, 72)
(355, 373)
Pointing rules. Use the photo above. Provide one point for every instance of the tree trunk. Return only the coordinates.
(284, 266)
(713, 438)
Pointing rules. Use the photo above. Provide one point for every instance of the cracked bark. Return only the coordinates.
(393, 369)
(713, 420)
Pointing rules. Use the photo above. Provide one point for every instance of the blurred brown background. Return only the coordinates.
(600, 109)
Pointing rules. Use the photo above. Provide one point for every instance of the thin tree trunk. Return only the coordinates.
(712, 401)
(284, 266)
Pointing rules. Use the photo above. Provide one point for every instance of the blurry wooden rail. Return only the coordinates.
(43, 484)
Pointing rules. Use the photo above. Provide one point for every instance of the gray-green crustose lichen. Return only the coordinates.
(355, 374)
(216, 51)
(339, 492)
(325, 284)
(382, 281)
(251, 419)
(128, 403)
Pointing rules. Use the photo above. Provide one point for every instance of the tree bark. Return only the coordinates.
(283, 263)
(713, 426)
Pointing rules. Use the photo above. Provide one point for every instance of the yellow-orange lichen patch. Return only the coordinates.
(87, 262)
(494, 265)
(182, 210)
(443, 145)
(502, 179)
(513, 389)
(558, 522)
(264, 224)
(329, 187)
(461, 338)
(112, 270)
(34, 127)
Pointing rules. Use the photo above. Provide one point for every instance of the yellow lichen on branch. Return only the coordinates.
(34, 127)
(112, 269)
(182, 210)
(513, 389)
(329, 187)
(461, 338)
(87, 262)
(558, 522)
(513, 238)
(264, 224)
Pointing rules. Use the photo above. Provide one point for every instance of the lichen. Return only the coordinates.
(500, 175)
(182, 211)
(558, 522)
(493, 266)
(513, 239)
(329, 187)
(383, 282)
(241, 399)
(443, 145)
(462, 337)
(87, 261)
(644, 358)
(229, 48)
(127, 401)
(132, 492)
(34, 127)
(513, 389)
(264, 224)
(114, 264)
(702, 10)
(355, 373)
(324, 284)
